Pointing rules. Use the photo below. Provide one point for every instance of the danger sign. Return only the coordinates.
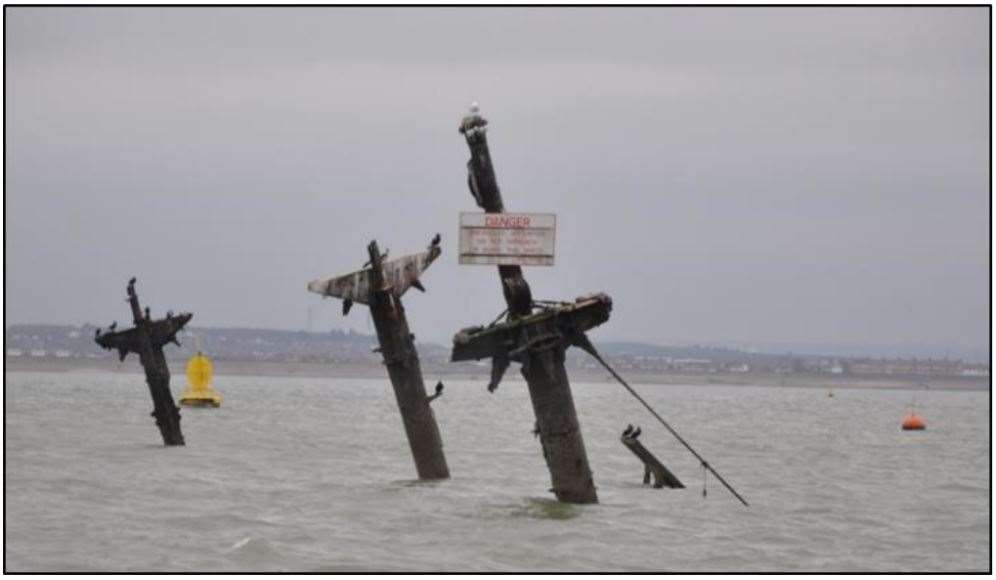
(524, 239)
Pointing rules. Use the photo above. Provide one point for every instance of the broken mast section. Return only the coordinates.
(537, 341)
(381, 286)
(662, 475)
(147, 339)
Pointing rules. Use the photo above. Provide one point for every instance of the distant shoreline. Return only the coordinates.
(433, 372)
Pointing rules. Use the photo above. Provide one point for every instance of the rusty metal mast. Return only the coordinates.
(147, 339)
(380, 287)
(538, 341)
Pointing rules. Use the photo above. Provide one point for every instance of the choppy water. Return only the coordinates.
(315, 475)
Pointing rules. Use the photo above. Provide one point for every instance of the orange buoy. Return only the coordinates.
(914, 422)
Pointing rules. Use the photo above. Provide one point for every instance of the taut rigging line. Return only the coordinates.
(582, 341)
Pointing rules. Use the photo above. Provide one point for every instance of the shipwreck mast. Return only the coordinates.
(537, 341)
(381, 286)
(147, 339)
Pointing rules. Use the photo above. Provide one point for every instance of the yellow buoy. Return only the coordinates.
(199, 392)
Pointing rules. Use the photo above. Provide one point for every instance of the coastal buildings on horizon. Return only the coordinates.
(67, 342)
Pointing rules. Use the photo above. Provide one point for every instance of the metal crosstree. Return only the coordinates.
(536, 336)
(380, 286)
(147, 339)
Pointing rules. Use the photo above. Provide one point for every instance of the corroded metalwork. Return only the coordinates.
(651, 465)
(380, 286)
(536, 340)
(147, 339)
(511, 341)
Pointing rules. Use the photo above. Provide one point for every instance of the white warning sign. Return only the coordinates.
(524, 239)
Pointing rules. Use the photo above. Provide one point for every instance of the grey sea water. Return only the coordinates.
(315, 475)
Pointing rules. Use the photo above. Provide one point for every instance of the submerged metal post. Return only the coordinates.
(662, 475)
(147, 339)
(537, 341)
(380, 287)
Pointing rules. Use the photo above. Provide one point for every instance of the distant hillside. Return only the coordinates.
(713, 353)
(268, 344)
(39, 341)
(222, 343)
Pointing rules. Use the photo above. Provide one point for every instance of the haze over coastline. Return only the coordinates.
(748, 178)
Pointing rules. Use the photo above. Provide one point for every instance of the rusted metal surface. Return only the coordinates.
(399, 275)
(381, 286)
(147, 339)
(651, 465)
(537, 341)
(511, 341)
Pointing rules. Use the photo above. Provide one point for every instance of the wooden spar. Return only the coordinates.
(539, 345)
(381, 286)
(147, 339)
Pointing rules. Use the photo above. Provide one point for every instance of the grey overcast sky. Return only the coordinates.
(741, 176)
